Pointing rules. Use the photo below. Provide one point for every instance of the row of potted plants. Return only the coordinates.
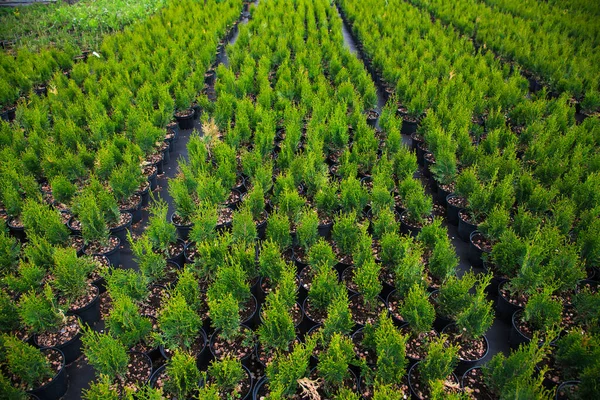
(240, 185)
(45, 39)
(68, 218)
(498, 197)
(563, 62)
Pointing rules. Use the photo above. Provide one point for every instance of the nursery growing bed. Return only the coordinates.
(80, 373)
(223, 278)
(499, 334)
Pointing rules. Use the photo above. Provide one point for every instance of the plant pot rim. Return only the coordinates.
(178, 225)
(250, 392)
(62, 368)
(68, 342)
(110, 252)
(202, 333)
(88, 305)
(213, 336)
(410, 385)
(485, 339)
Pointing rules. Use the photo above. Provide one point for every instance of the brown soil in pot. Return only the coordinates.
(236, 348)
(76, 242)
(450, 384)
(175, 249)
(426, 221)
(138, 372)
(180, 221)
(154, 158)
(67, 332)
(234, 197)
(105, 305)
(16, 222)
(348, 279)
(225, 216)
(124, 219)
(99, 248)
(416, 346)
(342, 258)
(266, 356)
(316, 315)
(362, 352)
(457, 201)
(306, 277)
(475, 387)
(239, 391)
(361, 314)
(196, 348)
(55, 360)
(130, 203)
(184, 113)
(149, 170)
(516, 299)
(152, 304)
(468, 349)
(482, 243)
(82, 301)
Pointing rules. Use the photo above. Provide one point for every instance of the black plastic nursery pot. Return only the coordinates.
(145, 195)
(389, 301)
(9, 114)
(179, 258)
(148, 360)
(100, 282)
(440, 194)
(411, 382)
(197, 112)
(89, 313)
(246, 360)
(18, 232)
(114, 255)
(253, 320)
(408, 127)
(372, 117)
(325, 230)
(136, 212)
(186, 119)
(57, 387)
(464, 384)
(159, 371)
(183, 230)
(257, 391)
(465, 228)
(567, 390)
(408, 229)
(517, 337)
(308, 323)
(121, 231)
(261, 228)
(152, 180)
(440, 322)
(476, 254)
(452, 210)
(428, 162)
(464, 365)
(209, 77)
(421, 150)
(203, 357)
(71, 349)
(504, 308)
